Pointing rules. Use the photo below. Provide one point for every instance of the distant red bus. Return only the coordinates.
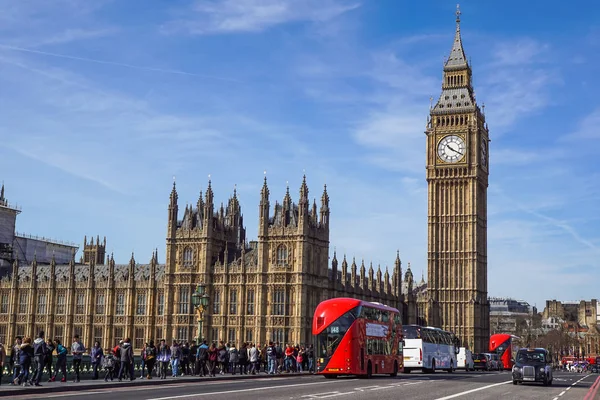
(502, 344)
(355, 337)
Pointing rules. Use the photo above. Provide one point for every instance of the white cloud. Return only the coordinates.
(229, 16)
(589, 127)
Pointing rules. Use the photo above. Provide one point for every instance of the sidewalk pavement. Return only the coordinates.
(6, 389)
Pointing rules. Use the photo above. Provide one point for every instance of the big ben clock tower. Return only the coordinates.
(457, 178)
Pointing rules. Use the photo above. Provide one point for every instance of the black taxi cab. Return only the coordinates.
(532, 365)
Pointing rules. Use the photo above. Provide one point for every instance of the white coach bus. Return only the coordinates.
(429, 349)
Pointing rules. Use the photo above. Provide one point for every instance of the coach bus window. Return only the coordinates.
(411, 332)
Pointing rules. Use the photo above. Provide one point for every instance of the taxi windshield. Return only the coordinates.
(531, 356)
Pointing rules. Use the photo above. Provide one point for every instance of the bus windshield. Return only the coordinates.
(329, 339)
(411, 332)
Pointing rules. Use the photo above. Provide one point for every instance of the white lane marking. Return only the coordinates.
(452, 396)
(326, 395)
(561, 393)
(156, 387)
(183, 396)
(569, 388)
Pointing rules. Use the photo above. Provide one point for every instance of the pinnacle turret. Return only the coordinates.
(304, 191)
(209, 194)
(264, 192)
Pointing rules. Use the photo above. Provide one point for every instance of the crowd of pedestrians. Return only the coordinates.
(30, 358)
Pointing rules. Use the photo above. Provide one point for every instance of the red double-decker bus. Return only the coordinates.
(502, 344)
(355, 337)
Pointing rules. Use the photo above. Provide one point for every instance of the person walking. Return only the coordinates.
(143, 357)
(272, 358)
(175, 358)
(61, 361)
(164, 357)
(150, 353)
(243, 359)
(48, 358)
(39, 354)
(253, 357)
(109, 363)
(234, 357)
(126, 360)
(213, 356)
(14, 360)
(2, 358)
(25, 357)
(202, 359)
(77, 350)
(96, 357)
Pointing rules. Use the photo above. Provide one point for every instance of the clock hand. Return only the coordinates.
(454, 150)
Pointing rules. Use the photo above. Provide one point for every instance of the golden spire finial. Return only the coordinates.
(458, 14)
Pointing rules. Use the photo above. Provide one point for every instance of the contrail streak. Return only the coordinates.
(117, 64)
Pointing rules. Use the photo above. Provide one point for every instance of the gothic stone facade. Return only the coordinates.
(457, 177)
(259, 291)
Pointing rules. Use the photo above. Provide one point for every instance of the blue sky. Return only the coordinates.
(103, 102)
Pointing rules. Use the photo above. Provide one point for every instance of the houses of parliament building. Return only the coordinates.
(267, 289)
(260, 290)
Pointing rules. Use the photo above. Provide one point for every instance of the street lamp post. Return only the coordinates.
(200, 301)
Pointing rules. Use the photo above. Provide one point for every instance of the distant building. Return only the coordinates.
(580, 319)
(23, 247)
(506, 314)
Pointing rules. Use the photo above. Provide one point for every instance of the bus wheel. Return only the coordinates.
(433, 366)
(395, 373)
(369, 370)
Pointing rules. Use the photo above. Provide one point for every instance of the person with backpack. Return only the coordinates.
(61, 361)
(150, 353)
(108, 364)
(126, 360)
(193, 363)
(222, 358)
(234, 357)
(213, 356)
(39, 354)
(117, 355)
(202, 359)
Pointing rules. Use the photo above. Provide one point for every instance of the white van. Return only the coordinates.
(464, 360)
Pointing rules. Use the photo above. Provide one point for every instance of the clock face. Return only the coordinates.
(451, 149)
(484, 156)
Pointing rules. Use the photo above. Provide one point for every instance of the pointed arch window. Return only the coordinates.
(188, 257)
(282, 255)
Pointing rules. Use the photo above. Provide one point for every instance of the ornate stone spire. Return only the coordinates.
(174, 196)
(264, 192)
(209, 194)
(457, 58)
(2, 192)
(304, 191)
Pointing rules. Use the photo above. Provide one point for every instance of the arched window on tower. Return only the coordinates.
(188, 257)
(282, 255)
